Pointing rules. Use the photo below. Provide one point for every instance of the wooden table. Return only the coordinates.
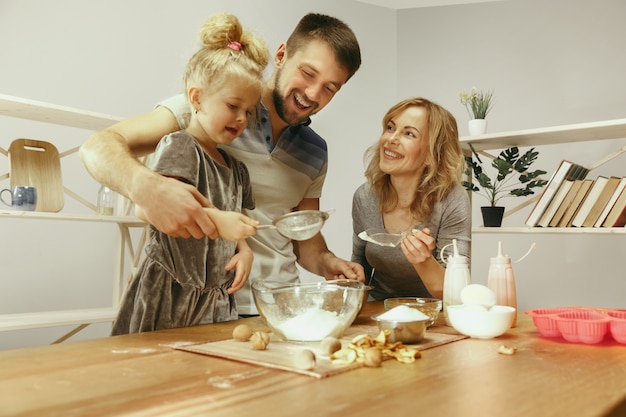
(139, 375)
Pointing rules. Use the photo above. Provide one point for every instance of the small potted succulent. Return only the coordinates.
(508, 164)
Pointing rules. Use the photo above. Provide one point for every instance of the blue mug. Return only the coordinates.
(23, 198)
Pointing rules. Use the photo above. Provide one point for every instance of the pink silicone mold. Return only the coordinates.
(618, 325)
(580, 324)
(545, 320)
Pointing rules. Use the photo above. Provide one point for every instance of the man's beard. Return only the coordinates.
(281, 106)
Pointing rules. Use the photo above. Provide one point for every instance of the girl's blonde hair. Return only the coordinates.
(227, 50)
(443, 166)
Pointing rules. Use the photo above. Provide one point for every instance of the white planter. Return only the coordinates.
(477, 127)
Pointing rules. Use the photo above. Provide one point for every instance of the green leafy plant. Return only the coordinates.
(478, 104)
(507, 164)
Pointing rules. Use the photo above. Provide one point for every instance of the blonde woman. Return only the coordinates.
(413, 187)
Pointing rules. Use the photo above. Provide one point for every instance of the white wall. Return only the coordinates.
(120, 57)
(549, 63)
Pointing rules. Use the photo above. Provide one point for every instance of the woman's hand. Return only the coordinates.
(418, 246)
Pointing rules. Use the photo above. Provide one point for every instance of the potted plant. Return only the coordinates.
(507, 164)
(478, 104)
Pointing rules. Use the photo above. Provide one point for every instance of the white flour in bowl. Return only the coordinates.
(312, 325)
(403, 313)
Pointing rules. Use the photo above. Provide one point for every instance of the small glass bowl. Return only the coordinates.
(429, 306)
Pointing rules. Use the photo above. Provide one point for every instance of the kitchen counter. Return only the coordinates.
(142, 375)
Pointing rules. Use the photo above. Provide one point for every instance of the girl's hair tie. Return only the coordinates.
(234, 45)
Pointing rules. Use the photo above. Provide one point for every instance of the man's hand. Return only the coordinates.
(174, 207)
(336, 268)
(314, 256)
(110, 156)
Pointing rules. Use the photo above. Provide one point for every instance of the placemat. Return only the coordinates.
(279, 354)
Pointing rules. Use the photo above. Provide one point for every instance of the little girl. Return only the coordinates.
(184, 282)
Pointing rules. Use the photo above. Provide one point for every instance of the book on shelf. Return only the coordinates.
(566, 170)
(566, 203)
(589, 201)
(568, 216)
(556, 202)
(601, 201)
(609, 205)
(617, 215)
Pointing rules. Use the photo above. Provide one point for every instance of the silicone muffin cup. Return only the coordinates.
(618, 325)
(586, 326)
(545, 320)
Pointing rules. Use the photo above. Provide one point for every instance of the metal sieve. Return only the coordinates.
(299, 225)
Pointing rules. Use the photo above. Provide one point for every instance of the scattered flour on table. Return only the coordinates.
(314, 324)
(134, 350)
(403, 313)
(179, 343)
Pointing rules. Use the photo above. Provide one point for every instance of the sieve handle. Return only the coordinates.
(265, 226)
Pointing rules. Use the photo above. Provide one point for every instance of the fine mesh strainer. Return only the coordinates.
(299, 225)
(381, 237)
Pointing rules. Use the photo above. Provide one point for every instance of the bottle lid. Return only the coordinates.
(458, 259)
(500, 259)
(455, 258)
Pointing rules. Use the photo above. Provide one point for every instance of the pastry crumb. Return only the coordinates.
(507, 350)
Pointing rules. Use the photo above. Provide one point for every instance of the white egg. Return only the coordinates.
(477, 294)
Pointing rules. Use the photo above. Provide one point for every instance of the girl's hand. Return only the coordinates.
(232, 225)
(418, 246)
(242, 263)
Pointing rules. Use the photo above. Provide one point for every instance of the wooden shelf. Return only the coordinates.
(35, 320)
(581, 132)
(66, 116)
(52, 113)
(558, 135)
(128, 221)
(550, 230)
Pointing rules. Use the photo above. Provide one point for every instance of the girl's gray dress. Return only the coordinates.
(183, 282)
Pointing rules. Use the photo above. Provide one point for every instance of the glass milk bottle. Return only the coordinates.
(106, 201)
(456, 277)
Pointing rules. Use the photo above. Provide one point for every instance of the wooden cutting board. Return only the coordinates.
(280, 354)
(36, 163)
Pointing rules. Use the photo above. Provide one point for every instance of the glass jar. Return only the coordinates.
(106, 201)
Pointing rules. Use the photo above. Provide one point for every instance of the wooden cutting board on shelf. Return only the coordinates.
(36, 163)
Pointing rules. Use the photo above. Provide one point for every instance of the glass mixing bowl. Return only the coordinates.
(308, 311)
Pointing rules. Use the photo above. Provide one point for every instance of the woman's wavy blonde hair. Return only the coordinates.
(443, 166)
(227, 50)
